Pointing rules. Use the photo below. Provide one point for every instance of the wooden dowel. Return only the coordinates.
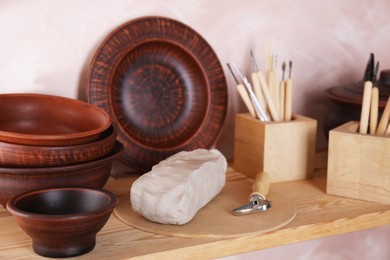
(384, 119)
(288, 101)
(258, 91)
(387, 129)
(275, 90)
(374, 110)
(365, 112)
(268, 98)
(281, 99)
(245, 97)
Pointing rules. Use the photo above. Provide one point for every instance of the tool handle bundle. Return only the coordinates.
(369, 113)
(267, 98)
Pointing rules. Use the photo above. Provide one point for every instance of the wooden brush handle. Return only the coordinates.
(247, 101)
(268, 98)
(288, 101)
(261, 185)
(384, 119)
(365, 113)
(374, 110)
(282, 98)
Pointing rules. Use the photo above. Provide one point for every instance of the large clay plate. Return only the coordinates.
(162, 85)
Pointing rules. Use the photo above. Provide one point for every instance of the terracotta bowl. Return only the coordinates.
(95, 174)
(19, 155)
(36, 119)
(62, 222)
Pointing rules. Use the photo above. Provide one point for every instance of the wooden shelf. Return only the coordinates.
(318, 215)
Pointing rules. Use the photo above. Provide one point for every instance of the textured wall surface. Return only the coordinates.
(46, 47)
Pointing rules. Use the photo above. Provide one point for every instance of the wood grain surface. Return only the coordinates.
(216, 220)
(318, 215)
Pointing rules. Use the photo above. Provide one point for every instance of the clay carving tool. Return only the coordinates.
(388, 119)
(282, 92)
(365, 113)
(375, 72)
(259, 111)
(267, 96)
(256, 83)
(374, 110)
(243, 93)
(273, 84)
(257, 200)
(288, 96)
(383, 123)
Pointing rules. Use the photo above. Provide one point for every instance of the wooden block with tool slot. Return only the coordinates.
(285, 150)
(358, 164)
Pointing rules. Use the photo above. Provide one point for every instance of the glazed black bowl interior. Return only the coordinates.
(63, 202)
(62, 222)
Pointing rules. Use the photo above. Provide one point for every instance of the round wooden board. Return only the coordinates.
(216, 220)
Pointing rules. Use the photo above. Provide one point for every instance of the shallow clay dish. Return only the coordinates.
(95, 174)
(19, 155)
(37, 119)
(62, 222)
(162, 85)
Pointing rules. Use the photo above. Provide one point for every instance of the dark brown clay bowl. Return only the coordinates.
(95, 174)
(19, 155)
(62, 222)
(37, 119)
(163, 86)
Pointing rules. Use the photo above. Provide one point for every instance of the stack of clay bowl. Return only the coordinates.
(50, 141)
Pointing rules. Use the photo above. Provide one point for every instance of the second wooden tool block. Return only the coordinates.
(285, 150)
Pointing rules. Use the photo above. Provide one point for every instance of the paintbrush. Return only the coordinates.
(365, 113)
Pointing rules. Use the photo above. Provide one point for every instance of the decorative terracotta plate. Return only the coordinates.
(162, 85)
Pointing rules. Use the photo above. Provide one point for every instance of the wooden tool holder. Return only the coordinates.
(358, 164)
(285, 150)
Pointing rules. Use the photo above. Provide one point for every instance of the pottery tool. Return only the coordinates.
(375, 72)
(244, 96)
(255, 80)
(257, 199)
(267, 96)
(243, 93)
(387, 130)
(215, 220)
(259, 111)
(282, 92)
(365, 113)
(267, 58)
(374, 110)
(288, 95)
(256, 84)
(274, 85)
(383, 123)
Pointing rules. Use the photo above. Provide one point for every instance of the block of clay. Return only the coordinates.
(179, 186)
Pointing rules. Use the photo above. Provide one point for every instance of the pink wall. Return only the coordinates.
(46, 45)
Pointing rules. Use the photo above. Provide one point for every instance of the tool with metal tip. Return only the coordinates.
(243, 93)
(257, 199)
(259, 111)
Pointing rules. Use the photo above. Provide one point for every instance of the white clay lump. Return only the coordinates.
(179, 186)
